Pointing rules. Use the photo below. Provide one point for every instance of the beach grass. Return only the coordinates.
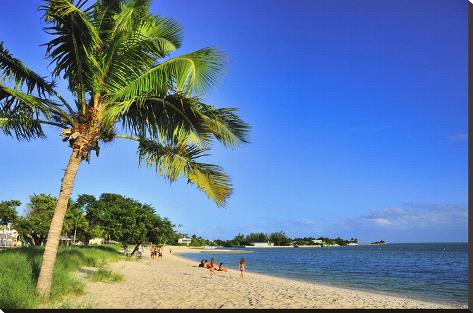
(104, 275)
(20, 270)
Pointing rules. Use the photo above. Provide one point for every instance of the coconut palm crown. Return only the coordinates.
(115, 58)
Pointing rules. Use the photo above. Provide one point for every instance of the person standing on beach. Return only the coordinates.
(153, 252)
(160, 253)
(242, 267)
(140, 250)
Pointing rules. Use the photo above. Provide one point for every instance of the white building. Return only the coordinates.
(262, 244)
(317, 241)
(96, 241)
(9, 237)
(184, 241)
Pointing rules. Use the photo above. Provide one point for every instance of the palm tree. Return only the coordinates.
(115, 58)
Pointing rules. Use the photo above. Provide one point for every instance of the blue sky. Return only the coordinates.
(358, 109)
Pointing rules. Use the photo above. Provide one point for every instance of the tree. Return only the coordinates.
(197, 241)
(162, 232)
(257, 237)
(280, 239)
(241, 240)
(8, 211)
(111, 55)
(93, 229)
(126, 220)
(34, 227)
(75, 223)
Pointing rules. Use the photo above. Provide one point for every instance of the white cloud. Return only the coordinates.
(381, 221)
(459, 137)
(413, 216)
(411, 222)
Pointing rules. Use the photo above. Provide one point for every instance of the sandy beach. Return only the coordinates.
(176, 282)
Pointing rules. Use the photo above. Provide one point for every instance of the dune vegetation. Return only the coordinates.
(20, 269)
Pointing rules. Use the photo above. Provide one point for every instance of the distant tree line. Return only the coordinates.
(125, 220)
(332, 241)
(277, 238)
(281, 239)
(381, 242)
(111, 216)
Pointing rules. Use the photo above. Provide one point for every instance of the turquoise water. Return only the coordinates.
(434, 272)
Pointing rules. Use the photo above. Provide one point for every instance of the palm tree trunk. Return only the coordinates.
(43, 287)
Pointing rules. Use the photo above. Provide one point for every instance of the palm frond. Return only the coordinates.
(169, 160)
(211, 179)
(71, 49)
(12, 98)
(172, 161)
(13, 69)
(207, 65)
(168, 119)
(103, 16)
(130, 13)
(20, 122)
(224, 124)
(196, 71)
(133, 51)
(177, 116)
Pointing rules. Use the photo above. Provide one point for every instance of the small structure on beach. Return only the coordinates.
(184, 241)
(262, 244)
(65, 240)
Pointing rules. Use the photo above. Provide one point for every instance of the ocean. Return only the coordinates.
(435, 272)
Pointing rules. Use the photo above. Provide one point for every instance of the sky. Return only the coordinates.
(358, 112)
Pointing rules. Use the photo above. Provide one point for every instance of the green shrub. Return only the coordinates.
(17, 281)
(104, 275)
(19, 271)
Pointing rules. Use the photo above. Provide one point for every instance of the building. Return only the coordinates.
(317, 241)
(96, 241)
(184, 241)
(262, 244)
(65, 240)
(9, 237)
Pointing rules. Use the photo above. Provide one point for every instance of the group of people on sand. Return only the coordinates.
(213, 268)
(156, 252)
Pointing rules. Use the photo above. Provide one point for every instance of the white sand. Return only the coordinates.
(175, 282)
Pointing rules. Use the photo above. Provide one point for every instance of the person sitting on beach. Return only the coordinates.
(221, 268)
(212, 267)
(213, 264)
(202, 263)
(242, 267)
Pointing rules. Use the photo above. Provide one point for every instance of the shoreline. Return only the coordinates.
(177, 282)
(325, 284)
